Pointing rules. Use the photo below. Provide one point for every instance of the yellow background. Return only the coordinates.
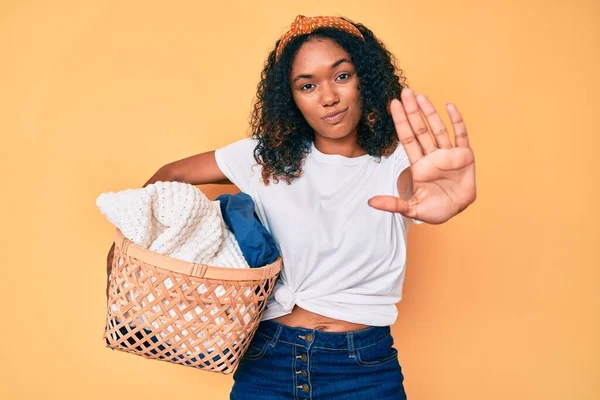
(499, 303)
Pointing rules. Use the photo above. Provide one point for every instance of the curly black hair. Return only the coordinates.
(285, 138)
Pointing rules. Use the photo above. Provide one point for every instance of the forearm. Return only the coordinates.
(164, 174)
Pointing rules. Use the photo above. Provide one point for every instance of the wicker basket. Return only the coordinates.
(191, 314)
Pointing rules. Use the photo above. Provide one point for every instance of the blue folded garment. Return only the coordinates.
(255, 241)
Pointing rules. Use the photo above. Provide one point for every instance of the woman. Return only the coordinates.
(359, 166)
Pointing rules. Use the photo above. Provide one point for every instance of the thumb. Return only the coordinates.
(391, 204)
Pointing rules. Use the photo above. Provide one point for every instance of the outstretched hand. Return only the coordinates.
(443, 174)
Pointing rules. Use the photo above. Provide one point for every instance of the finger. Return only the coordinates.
(416, 120)
(404, 131)
(391, 204)
(460, 129)
(435, 122)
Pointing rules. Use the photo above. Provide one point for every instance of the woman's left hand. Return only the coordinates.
(443, 175)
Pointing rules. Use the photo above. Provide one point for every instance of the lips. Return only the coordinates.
(335, 116)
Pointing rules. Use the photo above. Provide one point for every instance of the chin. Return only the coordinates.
(336, 132)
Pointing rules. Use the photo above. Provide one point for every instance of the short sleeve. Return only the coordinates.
(400, 163)
(236, 161)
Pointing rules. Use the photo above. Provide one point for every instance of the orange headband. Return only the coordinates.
(304, 25)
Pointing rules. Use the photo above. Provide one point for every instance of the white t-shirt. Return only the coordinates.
(341, 258)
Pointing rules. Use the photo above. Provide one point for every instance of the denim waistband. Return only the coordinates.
(317, 338)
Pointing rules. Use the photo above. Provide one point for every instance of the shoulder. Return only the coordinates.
(242, 149)
(247, 143)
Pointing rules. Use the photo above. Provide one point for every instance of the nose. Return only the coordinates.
(329, 96)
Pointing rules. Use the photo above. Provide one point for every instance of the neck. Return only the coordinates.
(345, 146)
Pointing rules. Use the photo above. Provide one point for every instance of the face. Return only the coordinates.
(324, 82)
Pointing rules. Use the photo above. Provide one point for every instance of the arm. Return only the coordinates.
(199, 169)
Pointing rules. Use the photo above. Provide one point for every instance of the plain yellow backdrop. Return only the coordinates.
(499, 303)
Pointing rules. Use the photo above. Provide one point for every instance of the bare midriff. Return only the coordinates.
(305, 319)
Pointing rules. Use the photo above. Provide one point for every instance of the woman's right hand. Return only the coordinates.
(109, 261)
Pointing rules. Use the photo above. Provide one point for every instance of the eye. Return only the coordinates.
(342, 74)
(303, 86)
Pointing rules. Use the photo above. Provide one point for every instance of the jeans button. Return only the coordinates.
(309, 337)
(305, 387)
(304, 374)
(303, 357)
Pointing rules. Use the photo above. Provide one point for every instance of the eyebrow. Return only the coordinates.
(335, 64)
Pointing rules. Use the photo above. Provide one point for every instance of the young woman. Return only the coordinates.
(340, 163)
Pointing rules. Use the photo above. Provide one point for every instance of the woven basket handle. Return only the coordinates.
(127, 247)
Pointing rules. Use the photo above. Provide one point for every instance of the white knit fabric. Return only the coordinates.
(175, 219)
(178, 220)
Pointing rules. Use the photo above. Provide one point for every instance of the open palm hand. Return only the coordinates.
(443, 175)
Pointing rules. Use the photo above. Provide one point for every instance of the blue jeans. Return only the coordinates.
(286, 362)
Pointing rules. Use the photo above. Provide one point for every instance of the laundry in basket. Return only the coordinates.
(177, 220)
